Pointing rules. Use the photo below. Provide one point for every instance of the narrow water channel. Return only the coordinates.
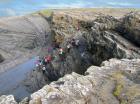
(11, 81)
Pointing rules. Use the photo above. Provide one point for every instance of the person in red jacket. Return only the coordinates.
(48, 59)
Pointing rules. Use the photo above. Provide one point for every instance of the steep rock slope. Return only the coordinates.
(20, 37)
(99, 40)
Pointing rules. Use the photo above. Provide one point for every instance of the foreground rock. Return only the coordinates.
(115, 81)
(7, 100)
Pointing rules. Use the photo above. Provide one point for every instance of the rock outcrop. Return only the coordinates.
(7, 99)
(21, 38)
(115, 81)
(1, 58)
(131, 30)
(101, 38)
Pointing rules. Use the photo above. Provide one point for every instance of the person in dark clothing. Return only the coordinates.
(43, 69)
(56, 45)
(61, 54)
(73, 42)
(77, 43)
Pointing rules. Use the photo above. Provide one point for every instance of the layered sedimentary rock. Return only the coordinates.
(20, 37)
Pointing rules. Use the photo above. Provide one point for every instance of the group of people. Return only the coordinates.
(42, 63)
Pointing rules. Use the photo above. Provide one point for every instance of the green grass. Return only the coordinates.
(45, 12)
(118, 90)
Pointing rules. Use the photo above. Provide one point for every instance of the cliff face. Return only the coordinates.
(101, 37)
(21, 38)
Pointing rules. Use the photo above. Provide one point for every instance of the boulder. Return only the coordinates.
(106, 84)
(7, 99)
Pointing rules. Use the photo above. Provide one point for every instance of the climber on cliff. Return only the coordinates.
(61, 54)
(69, 47)
(56, 45)
(37, 63)
(73, 42)
(77, 43)
(48, 59)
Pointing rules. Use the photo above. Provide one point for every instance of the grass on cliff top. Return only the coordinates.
(45, 12)
(48, 12)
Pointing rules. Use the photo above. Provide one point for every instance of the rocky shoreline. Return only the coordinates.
(110, 43)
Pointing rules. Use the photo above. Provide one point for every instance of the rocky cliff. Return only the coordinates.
(115, 82)
(21, 38)
(109, 42)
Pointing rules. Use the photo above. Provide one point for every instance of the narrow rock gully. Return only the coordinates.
(98, 40)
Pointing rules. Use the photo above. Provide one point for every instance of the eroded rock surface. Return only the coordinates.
(108, 84)
(7, 99)
(101, 37)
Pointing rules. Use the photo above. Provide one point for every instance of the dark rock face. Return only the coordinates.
(1, 58)
(99, 40)
(105, 42)
(131, 30)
